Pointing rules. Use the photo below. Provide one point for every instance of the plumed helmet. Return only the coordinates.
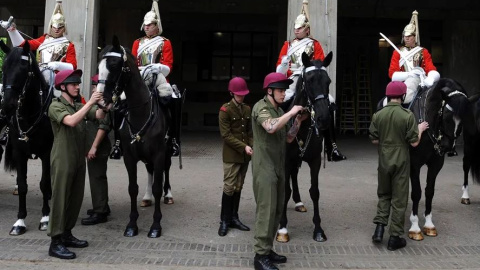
(412, 28)
(153, 16)
(58, 19)
(238, 86)
(276, 80)
(68, 76)
(303, 20)
(396, 89)
(95, 79)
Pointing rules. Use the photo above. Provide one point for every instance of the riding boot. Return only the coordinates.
(175, 108)
(116, 152)
(4, 138)
(117, 120)
(236, 223)
(226, 214)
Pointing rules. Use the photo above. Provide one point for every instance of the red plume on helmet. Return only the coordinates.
(396, 89)
(276, 80)
(238, 86)
(68, 76)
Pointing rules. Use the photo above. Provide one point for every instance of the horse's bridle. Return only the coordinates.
(436, 139)
(313, 126)
(43, 103)
(119, 86)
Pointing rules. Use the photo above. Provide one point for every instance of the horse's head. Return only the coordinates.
(18, 69)
(113, 71)
(454, 106)
(313, 90)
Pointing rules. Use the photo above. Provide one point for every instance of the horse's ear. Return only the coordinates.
(326, 62)
(4, 47)
(116, 42)
(26, 47)
(306, 60)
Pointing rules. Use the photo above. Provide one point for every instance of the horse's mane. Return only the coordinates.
(459, 103)
(299, 98)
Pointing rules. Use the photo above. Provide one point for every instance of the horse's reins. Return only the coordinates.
(303, 146)
(136, 137)
(44, 105)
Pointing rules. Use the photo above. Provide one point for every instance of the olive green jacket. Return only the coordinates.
(236, 130)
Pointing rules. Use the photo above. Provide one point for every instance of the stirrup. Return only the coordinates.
(336, 154)
(175, 148)
(116, 151)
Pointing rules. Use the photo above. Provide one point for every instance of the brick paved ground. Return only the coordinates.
(190, 240)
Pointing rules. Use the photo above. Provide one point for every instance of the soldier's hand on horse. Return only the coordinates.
(248, 150)
(296, 109)
(422, 126)
(96, 96)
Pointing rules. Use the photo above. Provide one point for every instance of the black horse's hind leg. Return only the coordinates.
(466, 170)
(132, 228)
(295, 191)
(416, 194)
(46, 188)
(318, 233)
(168, 199)
(156, 228)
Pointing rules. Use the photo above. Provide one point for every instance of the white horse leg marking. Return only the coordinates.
(465, 192)
(148, 189)
(169, 194)
(20, 223)
(428, 221)
(45, 219)
(283, 231)
(414, 221)
(299, 204)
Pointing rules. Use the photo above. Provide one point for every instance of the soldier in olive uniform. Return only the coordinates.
(236, 130)
(68, 161)
(268, 165)
(393, 128)
(99, 147)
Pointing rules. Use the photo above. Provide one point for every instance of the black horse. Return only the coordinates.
(471, 140)
(311, 91)
(25, 102)
(143, 131)
(441, 106)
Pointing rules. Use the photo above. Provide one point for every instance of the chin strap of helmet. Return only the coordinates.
(273, 97)
(66, 91)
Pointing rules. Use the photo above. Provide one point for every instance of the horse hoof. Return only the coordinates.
(18, 230)
(283, 237)
(430, 231)
(130, 232)
(417, 236)
(465, 201)
(43, 226)
(168, 200)
(319, 236)
(155, 233)
(301, 208)
(146, 203)
(15, 191)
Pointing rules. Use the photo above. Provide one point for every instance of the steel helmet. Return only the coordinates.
(68, 76)
(276, 80)
(95, 79)
(396, 89)
(238, 86)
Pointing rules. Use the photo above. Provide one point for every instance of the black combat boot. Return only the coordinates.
(69, 240)
(276, 258)
(396, 242)
(226, 214)
(236, 223)
(95, 218)
(58, 249)
(263, 262)
(377, 236)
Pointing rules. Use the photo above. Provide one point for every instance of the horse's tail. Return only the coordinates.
(9, 165)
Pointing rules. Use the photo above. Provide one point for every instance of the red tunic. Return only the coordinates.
(166, 58)
(426, 64)
(317, 53)
(69, 57)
